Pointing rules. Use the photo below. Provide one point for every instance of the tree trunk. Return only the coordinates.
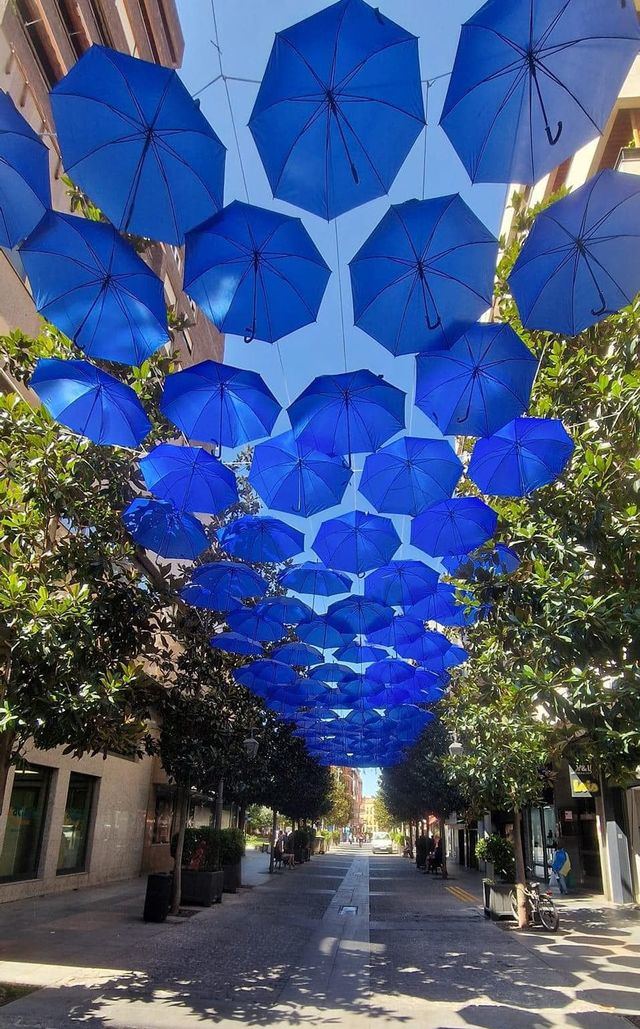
(410, 839)
(242, 818)
(219, 805)
(182, 803)
(274, 830)
(443, 840)
(521, 872)
(6, 744)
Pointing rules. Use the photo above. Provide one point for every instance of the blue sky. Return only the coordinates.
(246, 30)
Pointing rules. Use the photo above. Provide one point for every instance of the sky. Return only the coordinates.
(245, 33)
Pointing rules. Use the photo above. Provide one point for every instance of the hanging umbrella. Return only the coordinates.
(358, 615)
(228, 582)
(235, 643)
(281, 708)
(339, 108)
(409, 475)
(401, 583)
(579, 263)
(313, 579)
(440, 601)
(350, 413)
(260, 539)
(498, 560)
(251, 622)
(219, 404)
(402, 629)
(523, 97)
(288, 610)
(159, 527)
(208, 600)
(256, 273)
(190, 477)
(453, 527)
(25, 193)
(331, 672)
(354, 690)
(455, 656)
(357, 654)
(90, 402)
(304, 693)
(478, 385)
(390, 672)
(265, 673)
(428, 649)
(133, 139)
(288, 475)
(300, 655)
(356, 542)
(424, 275)
(319, 633)
(523, 456)
(93, 286)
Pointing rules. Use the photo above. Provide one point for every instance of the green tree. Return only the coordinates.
(382, 817)
(339, 814)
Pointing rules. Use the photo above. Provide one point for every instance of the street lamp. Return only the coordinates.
(455, 747)
(251, 745)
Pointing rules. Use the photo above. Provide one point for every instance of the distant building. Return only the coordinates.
(353, 781)
(368, 814)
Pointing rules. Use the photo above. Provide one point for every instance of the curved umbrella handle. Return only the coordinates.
(250, 334)
(433, 325)
(553, 139)
(600, 310)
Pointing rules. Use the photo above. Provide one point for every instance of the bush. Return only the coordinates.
(499, 851)
(232, 846)
(201, 849)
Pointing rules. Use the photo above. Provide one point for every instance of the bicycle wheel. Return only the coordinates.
(548, 913)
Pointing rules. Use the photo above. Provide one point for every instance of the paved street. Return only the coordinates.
(348, 939)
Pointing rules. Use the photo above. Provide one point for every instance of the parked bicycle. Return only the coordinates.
(542, 910)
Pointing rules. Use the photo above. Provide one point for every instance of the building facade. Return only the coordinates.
(64, 822)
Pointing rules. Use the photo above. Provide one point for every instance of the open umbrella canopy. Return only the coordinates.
(300, 655)
(356, 542)
(454, 526)
(580, 262)
(478, 385)
(390, 672)
(291, 476)
(409, 475)
(288, 610)
(256, 273)
(219, 404)
(265, 673)
(229, 582)
(25, 192)
(190, 477)
(90, 402)
(521, 457)
(358, 615)
(339, 108)
(158, 526)
(331, 672)
(260, 539)
(235, 643)
(360, 654)
(312, 578)
(133, 139)
(93, 286)
(441, 602)
(428, 650)
(497, 560)
(522, 97)
(403, 629)
(208, 599)
(319, 633)
(304, 693)
(349, 413)
(424, 275)
(256, 624)
(401, 583)
(455, 656)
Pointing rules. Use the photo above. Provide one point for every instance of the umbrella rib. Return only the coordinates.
(560, 83)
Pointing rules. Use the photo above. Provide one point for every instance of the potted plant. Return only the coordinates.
(498, 851)
(232, 847)
(202, 879)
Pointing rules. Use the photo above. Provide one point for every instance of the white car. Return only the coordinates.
(381, 843)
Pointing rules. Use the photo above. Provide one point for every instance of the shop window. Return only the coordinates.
(162, 816)
(75, 827)
(20, 855)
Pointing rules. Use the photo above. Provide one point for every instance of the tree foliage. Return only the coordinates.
(422, 783)
(339, 814)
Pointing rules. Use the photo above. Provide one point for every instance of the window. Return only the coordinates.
(150, 36)
(167, 31)
(70, 18)
(163, 815)
(75, 828)
(104, 35)
(41, 45)
(20, 855)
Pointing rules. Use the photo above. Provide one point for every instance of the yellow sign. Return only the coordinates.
(582, 783)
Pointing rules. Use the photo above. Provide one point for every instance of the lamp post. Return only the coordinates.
(455, 747)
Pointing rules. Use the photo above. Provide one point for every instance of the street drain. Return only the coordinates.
(347, 909)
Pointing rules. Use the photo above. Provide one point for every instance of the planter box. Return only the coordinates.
(158, 897)
(500, 900)
(232, 876)
(202, 889)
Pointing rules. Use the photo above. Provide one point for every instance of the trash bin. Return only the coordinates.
(158, 897)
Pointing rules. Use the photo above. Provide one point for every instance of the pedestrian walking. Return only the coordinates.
(561, 866)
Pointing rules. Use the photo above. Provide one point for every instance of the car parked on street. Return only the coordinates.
(381, 843)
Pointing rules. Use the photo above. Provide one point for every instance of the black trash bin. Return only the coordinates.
(158, 897)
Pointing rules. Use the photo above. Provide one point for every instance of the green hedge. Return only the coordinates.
(207, 849)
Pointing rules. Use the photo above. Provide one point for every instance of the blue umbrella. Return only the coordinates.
(217, 403)
(350, 413)
(358, 615)
(138, 144)
(256, 624)
(314, 579)
(390, 672)
(228, 582)
(331, 672)
(440, 602)
(159, 527)
(428, 649)
(300, 655)
(291, 476)
(454, 527)
(455, 656)
(265, 673)
(339, 108)
(288, 610)
(190, 477)
(579, 263)
(255, 273)
(90, 402)
(208, 599)
(522, 98)
(25, 193)
(354, 690)
(409, 475)
(357, 654)
(320, 634)
(424, 275)
(478, 385)
(303, 693)
(498, 560)
(523, 456)
(356, 542)
(401, 583)
(403, 629)
(94, 288)
(260, 539)
(235, 643)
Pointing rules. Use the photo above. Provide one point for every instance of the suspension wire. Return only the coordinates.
(284, 374)
(341, 298)
(426, 132)
(230, 105)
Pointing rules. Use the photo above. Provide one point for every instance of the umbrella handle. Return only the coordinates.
(250, 334)
(553, 139)
(601, 309)
(433, 325)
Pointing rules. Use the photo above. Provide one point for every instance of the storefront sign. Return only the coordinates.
(582, 783)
